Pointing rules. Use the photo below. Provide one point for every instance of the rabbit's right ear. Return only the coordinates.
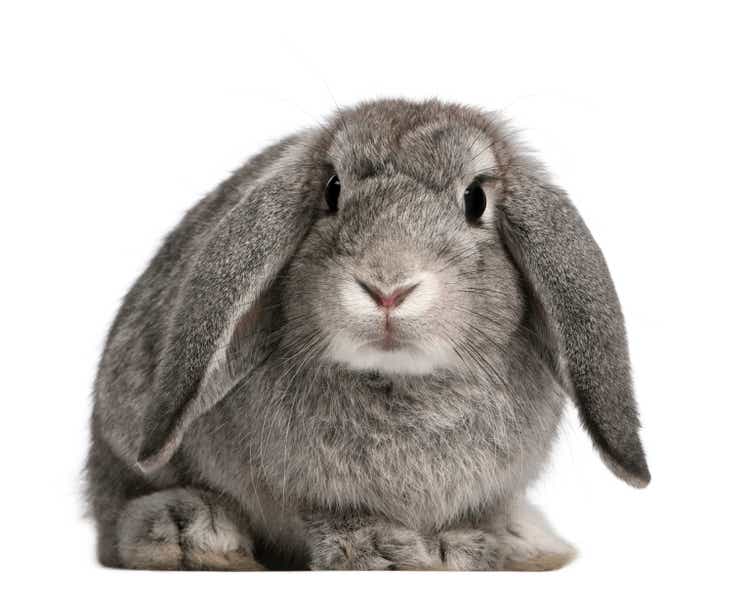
(218, 297)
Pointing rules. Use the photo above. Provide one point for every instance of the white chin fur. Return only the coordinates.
(405, 361)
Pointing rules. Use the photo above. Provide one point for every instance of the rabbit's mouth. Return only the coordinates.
(383, 324)
(388, 342)
(389, 354)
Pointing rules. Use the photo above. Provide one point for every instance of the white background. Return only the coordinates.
(116, 117)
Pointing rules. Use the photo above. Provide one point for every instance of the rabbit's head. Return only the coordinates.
(405, 258)
(398, 228)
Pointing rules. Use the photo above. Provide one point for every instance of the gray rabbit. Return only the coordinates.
(355, 353)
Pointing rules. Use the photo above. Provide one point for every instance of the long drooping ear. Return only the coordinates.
(217, 301)
(583, 325)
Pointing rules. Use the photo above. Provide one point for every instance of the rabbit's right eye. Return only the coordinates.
(333, 188)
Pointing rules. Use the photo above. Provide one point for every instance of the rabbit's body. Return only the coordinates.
(427, 452)
(301, 432)
(422, 452)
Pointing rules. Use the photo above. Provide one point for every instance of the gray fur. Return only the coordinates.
(226, 389)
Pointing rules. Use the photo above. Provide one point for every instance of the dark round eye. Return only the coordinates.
(333, 188)
(475, 201)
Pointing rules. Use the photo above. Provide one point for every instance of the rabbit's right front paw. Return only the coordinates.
(371, 547)
(180, 529)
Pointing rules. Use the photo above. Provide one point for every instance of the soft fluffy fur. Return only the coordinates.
(246, 409)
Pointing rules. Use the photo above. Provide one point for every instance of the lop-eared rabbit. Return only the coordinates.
(355, 353)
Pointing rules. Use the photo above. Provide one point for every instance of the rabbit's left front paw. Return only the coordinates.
(371, 547)
(468, 549)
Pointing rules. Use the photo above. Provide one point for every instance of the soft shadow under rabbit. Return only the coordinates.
(355, 353)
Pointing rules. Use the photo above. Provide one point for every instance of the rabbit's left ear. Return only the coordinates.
(584, 330)
(215, 311)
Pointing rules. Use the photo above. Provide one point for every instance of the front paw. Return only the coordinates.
(371, 547)
(469, 549)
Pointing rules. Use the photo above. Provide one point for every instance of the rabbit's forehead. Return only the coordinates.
(438, 152)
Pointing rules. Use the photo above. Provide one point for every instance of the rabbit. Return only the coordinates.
(355, 353)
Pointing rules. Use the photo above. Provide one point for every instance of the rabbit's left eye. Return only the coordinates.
(475, 201)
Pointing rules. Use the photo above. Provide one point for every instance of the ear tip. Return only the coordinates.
(153, 454)
(143, 466)
(146, 464)
(637, 468)
(160, 440)
(640, 480)
(148, 451)
(633, 471)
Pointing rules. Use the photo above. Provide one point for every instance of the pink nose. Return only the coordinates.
(387, 301)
